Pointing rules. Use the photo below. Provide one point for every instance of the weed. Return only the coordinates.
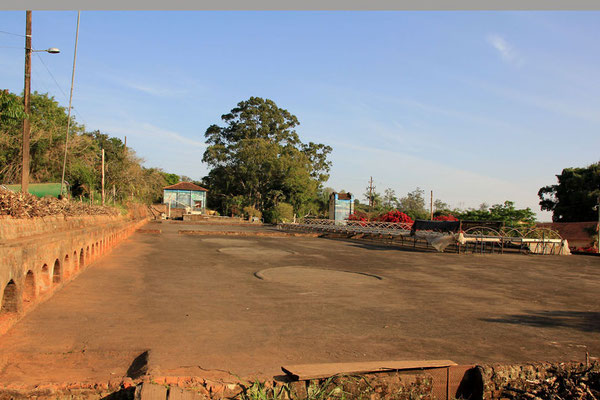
(259, 391)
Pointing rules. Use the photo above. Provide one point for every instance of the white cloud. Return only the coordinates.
(153, 87)
(156, 90)
(158, 147)
(507, 52)
(574, 109)
(147, 131)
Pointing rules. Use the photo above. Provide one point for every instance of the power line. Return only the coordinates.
(10, 33)
(53, 78)
(59, 87)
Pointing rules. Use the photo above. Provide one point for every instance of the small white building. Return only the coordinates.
(185, 195)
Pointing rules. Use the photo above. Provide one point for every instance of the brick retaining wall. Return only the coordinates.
(577, 233)
(40, 255)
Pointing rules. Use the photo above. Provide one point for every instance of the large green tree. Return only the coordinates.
(48, 128)
(413, 204)
(258, 158)
(573, 198)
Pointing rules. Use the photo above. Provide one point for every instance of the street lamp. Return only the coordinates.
(51, 50)
(26, 95)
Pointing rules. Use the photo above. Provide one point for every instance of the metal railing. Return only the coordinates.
(480, 239)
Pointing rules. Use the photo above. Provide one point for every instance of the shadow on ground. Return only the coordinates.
(586, 321)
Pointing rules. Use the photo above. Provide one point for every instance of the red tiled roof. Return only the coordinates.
(186, 186)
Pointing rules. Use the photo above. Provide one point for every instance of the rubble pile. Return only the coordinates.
(581, 383)
(25, 205)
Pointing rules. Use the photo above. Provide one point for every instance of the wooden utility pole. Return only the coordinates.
(598, 227)
(102, 176)
(26, 93)
(371, 192)
(114, 195)
(431, 206)
(62, 181)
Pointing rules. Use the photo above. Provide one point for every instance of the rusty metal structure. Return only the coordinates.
(469, 238)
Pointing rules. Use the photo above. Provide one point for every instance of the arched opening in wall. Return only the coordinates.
(93, 251)
(98, 252)
(45, 277)
(10, 301)
(81, 258)
(67, 267)
(75, 265)
(56, 273)
(87, 254)
(29, 288)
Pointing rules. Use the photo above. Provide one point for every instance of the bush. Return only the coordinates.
(395, 216)
(589, 249)
(250, 212)
(448, 217)
(282, 212)
(358, 216)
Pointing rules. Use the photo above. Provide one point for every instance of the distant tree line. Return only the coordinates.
(123, 169)
(415, 206)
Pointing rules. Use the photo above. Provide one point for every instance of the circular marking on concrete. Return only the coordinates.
(257, 251)
(308, 276)
(230, 241)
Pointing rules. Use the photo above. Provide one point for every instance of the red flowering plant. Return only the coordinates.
(448, 217)
(358, 216)
(589, 249)
(397, 217)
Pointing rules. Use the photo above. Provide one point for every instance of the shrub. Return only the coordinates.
(358, 216)
(250, 212)
(282, 212)
(589, 249)
(448, 217)
(394, 216)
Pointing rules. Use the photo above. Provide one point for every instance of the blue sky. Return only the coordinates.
(476, 106)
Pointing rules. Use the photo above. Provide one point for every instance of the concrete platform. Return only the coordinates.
(197, 304)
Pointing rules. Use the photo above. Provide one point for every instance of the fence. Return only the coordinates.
(475, 239)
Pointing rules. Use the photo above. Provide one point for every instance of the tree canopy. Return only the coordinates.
(257, 159)
(505, 212)
(573, 198)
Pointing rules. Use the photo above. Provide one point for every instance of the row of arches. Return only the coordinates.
(19, 293)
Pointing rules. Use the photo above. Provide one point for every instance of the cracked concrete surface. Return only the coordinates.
(197, 308)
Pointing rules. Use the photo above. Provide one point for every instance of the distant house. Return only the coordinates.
(341, 205)
(185, 195)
